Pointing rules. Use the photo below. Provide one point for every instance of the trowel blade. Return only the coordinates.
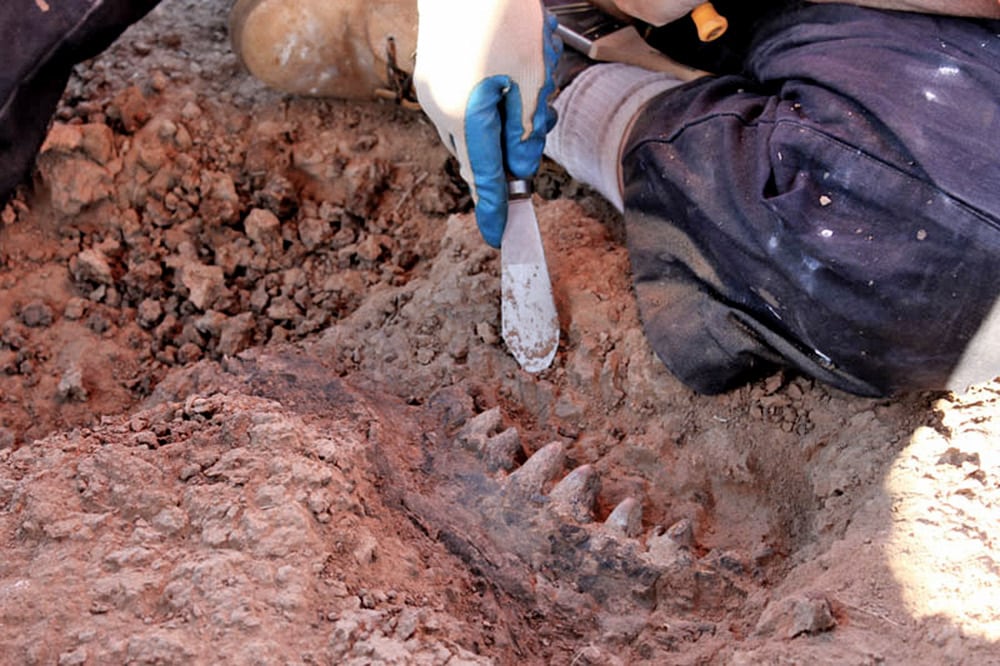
(529, 322)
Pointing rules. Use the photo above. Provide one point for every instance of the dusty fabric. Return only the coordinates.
(42, 42)
(833, 210)
(981, 8)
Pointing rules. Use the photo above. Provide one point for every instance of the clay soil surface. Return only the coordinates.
(255, 409)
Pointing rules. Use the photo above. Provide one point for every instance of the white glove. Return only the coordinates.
(484, 77)
(657, 12)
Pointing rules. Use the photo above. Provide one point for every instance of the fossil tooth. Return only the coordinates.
(626, 518)
(540, 468)
(574, 495)
(479, 428)
(682, 533)
(501, 451)
(674, 545)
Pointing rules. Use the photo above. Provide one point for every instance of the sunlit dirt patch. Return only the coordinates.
(945, 492)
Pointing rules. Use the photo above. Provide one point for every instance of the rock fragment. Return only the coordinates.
(797, 615)
(149, 313)
(91, 265)
(75, 309)
(264, 228)
(205, 284)
(71, 388)
(236, 334)
(313, 232)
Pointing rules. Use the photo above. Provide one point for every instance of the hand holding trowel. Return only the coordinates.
(489, 105)
(529, 321)
(487, 90)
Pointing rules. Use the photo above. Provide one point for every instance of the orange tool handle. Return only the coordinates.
(710, 24)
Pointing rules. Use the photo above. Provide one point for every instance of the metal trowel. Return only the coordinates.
(529, 322)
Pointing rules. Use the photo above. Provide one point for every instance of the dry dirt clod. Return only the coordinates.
(36, 314)
(92, 266)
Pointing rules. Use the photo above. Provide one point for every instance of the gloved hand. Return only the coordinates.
(484, 77)
(657, 12)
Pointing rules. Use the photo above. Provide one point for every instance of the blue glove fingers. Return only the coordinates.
(524, 153)
(486, 128)
(483, 132)
(553, 51)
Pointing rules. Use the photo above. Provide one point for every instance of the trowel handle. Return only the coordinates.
(711, 25)
(518, 188)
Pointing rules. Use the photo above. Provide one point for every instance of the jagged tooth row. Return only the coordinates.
(545, 520)
(575, 495)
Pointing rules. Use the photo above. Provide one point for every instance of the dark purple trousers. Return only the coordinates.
(42, 41)
(832, 207)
